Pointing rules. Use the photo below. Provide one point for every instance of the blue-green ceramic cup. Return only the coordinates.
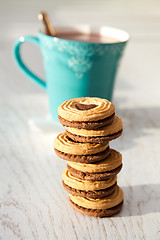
(75, 68)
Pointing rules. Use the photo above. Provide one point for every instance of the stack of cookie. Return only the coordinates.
(92, 167)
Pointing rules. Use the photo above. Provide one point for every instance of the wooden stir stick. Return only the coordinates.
(48, 26)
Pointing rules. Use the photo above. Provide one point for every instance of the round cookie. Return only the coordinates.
(78, 138)
(97, 212)
(90, 194)
(100, 135)
(94, 176)
(86, 125)
(65, 144)
(101, 170)
(83, 158)
(102, 207)
(86, 113)
(86, 185)
(88, 189)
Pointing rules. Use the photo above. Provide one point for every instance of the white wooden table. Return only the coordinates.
(33, 204)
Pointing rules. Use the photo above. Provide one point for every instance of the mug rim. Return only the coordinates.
(104, 30)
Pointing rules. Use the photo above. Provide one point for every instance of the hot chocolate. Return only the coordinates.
(84, 37)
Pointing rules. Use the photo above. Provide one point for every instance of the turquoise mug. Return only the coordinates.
(75, 68)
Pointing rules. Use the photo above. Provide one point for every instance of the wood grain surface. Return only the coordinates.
(33, 203)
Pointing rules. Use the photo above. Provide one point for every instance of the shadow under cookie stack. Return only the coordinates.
(92, 167)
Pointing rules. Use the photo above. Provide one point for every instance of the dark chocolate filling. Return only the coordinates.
(87, 125)
(84, 158)
(98, 212)
(83, 107)
(93, 139)
(93, 176)
(90, 194)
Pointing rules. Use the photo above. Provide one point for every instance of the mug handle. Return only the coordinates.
(19, 61)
